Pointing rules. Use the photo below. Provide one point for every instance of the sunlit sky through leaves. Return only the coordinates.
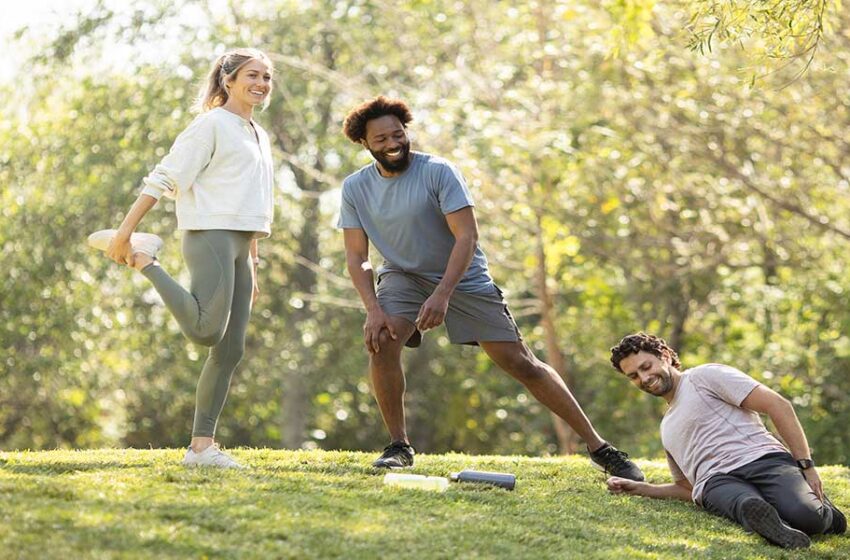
(44, 18)
(37, 14)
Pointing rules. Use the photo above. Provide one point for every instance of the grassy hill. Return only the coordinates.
(143, 504)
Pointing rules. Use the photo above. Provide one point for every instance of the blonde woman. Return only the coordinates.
(220, 172)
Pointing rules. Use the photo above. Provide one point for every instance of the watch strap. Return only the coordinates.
(805, 463)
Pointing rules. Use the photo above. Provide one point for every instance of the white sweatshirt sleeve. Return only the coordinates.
(189, 155)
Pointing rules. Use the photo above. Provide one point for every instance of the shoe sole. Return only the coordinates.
(390, 467)
(146, 243)
(839, 521)
(762, 518)
(597, 466)
(222, 467)
(602, 469)
(237, 466)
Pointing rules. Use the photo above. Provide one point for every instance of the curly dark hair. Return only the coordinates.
(634, 343)
(354, 125)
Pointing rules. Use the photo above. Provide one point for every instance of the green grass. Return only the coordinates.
(143, 504)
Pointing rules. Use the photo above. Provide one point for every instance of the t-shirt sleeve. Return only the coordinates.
(726, 383)
(452, 192)
(348, 217)
(189, 155)
(675, 470)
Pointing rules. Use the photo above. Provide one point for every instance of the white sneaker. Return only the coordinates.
(212, 456)
(146, 243)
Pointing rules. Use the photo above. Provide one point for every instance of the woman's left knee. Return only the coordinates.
(229, 356)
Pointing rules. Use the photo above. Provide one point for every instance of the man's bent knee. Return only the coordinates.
(388, 347)
(525, 367)
(808, 518)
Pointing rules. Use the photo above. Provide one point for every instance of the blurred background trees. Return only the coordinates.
(623, 182)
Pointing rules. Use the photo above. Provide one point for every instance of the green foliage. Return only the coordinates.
(131, 503)
(655, 189)
(789, 28)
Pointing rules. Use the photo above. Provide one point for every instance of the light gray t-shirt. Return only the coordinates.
(706, 432)
(404, 217)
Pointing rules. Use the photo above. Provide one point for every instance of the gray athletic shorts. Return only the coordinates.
(470, 318)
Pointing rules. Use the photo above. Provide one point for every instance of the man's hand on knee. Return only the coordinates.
(814, 481)
(376, 322)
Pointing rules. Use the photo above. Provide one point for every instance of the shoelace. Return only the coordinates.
(222, 459)
(616, 458)
(398, 445)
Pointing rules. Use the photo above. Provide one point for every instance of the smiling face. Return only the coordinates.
(651, 374)
(252, 84)
(387, 141)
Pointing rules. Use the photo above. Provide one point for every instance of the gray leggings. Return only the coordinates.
(213, 313)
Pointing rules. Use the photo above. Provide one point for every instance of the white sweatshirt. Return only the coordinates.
(220, 174)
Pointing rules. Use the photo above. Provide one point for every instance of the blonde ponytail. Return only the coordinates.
(214, 91)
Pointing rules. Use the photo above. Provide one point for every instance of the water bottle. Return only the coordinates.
(418, 481)
(502, 480)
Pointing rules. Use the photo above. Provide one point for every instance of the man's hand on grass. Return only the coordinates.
(617, 485)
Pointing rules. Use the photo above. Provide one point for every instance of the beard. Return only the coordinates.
(394, 166)
(665, 384)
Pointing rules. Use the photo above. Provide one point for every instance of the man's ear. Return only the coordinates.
(666, 357)
(364, 143)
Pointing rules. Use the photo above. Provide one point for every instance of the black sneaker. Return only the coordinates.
(396, 455)
(611, 460)
(839, 522)
(761, 517)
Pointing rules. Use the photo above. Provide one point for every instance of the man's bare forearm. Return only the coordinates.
(789, 429)
(663, 491)
(459, 260)
(363, 279)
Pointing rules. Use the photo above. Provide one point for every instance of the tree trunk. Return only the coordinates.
(417, 410)
(567, 438)
(681, 311)
(295, 403)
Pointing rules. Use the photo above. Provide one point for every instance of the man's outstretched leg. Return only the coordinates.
(783, 485)
(549, 388)
(730, 496)
(389, 384)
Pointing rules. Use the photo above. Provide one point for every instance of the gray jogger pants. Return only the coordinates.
(778, 480)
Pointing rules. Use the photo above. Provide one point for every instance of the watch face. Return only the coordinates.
(805, 463)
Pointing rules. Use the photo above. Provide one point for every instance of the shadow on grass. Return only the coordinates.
(110, 540)
(331, 523)
(67, 467)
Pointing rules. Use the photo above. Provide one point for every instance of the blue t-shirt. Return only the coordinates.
(404, 217)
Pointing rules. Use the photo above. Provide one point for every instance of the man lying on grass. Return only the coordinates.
(720, 453)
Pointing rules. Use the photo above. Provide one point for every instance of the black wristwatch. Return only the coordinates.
(805, 463)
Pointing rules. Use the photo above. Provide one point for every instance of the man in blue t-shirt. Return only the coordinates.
(418, 212)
